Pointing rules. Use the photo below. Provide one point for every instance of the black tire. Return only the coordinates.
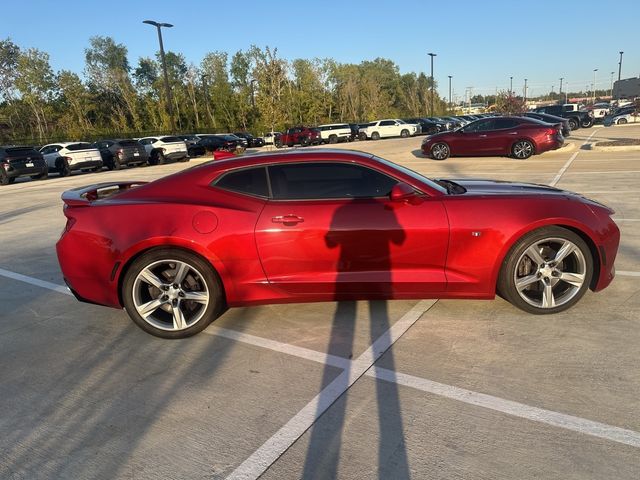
(375, 136)
(518, 265)
(160, 158)
(522, 149)
(440, 151)
(362, 136)
(304, 141)
(622, 121)
(115, 164)
(587, 123)
(200, 278)
(404, 133)
(41, 176)
(333, 139)
(432, 131)
(573, 124)
(63, 167)
(185, 159)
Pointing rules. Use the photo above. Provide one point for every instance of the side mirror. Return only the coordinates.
(401, 191)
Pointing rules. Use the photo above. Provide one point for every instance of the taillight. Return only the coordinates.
(551, 131)
(70, 222)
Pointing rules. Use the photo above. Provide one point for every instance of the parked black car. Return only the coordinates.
(576, 119)
(545, 117)
(18, 161)
(219, 142)
(252, 142)
(118, 153)
(427, 126)
(194, 149)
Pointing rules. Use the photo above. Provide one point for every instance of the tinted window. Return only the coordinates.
(170, 139)
(327, 180)
(252, 181)
(387, 122)
(78, 146)
(21, 151)
(502, 123)
(127, 143)
(479, 126)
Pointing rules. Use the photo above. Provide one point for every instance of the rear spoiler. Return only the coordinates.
(83, 196)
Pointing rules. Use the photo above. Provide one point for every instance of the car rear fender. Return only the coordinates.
(182, 244)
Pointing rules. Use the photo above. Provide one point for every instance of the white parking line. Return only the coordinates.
(557, 178)
(34, 281)
(274, 447)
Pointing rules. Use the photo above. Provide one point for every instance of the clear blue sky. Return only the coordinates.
(480, 43)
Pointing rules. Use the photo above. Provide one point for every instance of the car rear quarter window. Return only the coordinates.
(128, 143)
(78, 146)
(327, 181)
(251, 181)
(170, 139)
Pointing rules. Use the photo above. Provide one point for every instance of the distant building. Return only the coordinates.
(627, 88)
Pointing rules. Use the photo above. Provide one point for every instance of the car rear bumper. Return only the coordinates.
(552, 143)
(85, 164)
(175, 155)
(22, 171)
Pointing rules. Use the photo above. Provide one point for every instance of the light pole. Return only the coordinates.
(450, 77)
(594, 86)
(611, 89)
(620, 66)
(525, 91)
(432, 94)
(560, 92)
(510, 86)
(164, 69)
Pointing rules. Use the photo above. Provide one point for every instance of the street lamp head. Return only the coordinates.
(156, 24)
(595, 69)
(621, 52)
(432, 54)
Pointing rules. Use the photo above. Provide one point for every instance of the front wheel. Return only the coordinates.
(171, 293)
(404, 133)
(546, 271)
(522, 149)
(587, 123)
(440, 151)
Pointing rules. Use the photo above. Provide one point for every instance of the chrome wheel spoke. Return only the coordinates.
(524, 282)
(575, 279)
(178, 318)
(200, 297)
(548, 300)
(533, 253)
(151, 278)
(181, 272)
(148, 308)
(566, 250)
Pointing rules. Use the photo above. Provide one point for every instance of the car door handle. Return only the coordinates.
(482, 136)
(513, 133)
(287, 219)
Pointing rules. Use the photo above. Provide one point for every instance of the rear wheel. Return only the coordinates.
(333, 139)
(4, 178)
(63, 167)
(522, 149)
(622, 121)
(440, 151)
(171, 293)
(375, 136)
(573, 124)
(587, 122)
(546, 271)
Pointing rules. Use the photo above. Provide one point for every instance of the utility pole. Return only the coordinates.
(594, 86)
(611, 90)
(620, 66)
(164, 70)
(432, 94)
(450, 77)
(510, 86)
(525, 91)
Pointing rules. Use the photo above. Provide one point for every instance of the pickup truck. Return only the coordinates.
(576, 118)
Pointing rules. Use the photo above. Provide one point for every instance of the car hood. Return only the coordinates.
(500, 187)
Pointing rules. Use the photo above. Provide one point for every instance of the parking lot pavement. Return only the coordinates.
(469, 389)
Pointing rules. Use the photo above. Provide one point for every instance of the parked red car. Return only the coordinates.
(519, 137)
(299, 136)
(325, 225)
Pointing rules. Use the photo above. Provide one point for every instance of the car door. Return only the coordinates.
(330, 228)
(388, 128)
(472, 139)
(502, 136)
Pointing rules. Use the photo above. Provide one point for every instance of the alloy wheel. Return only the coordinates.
(170, 295)
(550, 272)
(522, 149)
(440, 151)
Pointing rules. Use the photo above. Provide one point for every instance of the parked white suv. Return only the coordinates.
(393, 127)
(163, 148)
(68, 156)
(335, 132)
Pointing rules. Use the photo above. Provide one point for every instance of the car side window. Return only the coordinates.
(327, 181)
(387, 123)
(504, 123)
(252, 181)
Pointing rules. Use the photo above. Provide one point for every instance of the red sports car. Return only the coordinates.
(326, 225)
(519, 137)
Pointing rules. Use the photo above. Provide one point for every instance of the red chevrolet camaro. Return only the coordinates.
(519, 137)
(326, 225)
